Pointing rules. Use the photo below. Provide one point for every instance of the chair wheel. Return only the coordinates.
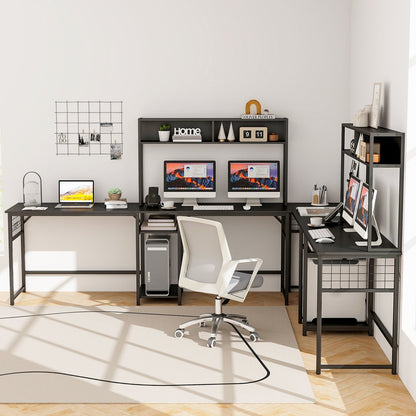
(179, 333)
(254, 336)
(211, 342)
(201, 324)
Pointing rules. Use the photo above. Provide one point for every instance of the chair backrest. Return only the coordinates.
(205, 251)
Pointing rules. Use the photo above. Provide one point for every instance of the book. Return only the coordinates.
(190, 138)
(116, 206)
(161, 217)
(157, 226)
(161, 220)
(121, 201)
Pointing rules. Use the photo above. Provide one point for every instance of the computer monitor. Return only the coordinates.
(363, 211)
(350, 201)
(253, 180)
(189, 180)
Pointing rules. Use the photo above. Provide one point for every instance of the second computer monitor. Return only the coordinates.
(363, 211)
(253, 180)
(350, 201)
(189, 180)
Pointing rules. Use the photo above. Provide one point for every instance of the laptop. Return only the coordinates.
(75, 194)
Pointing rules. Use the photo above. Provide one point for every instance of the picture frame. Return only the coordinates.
(253, 134)
(375, 108)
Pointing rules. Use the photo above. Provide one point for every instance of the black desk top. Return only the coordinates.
(98, 209)
(344, 244)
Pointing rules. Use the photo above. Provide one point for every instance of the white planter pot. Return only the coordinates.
(164, 136)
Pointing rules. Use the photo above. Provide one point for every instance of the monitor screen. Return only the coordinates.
(189, 179)
(350, 201)
(259, 176)
(361, 218)
(76, 191)
(189, 176)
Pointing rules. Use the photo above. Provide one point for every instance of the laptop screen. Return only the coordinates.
(76, 191)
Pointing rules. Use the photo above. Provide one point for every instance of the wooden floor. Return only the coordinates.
(337, 392)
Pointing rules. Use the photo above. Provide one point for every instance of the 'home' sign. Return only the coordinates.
(189, 131)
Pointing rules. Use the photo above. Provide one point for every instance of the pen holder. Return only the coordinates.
(319, 197)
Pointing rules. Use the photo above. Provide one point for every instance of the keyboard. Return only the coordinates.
(321, 232)
(213, 207)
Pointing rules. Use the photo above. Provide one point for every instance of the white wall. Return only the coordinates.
(173, 59)
(380, 53)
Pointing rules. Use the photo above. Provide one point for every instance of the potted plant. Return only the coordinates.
(164, 132)
(114, 193)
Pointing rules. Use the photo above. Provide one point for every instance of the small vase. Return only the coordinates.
(164, 135)
(114, 196)
(231, 136)
(221, 134)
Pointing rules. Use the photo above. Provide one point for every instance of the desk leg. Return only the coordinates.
(319, 318)
(288, 241)
(180, 254)
(395, 316)
(300, 300)
(11, 272)
(23, 253)
(304, 285)
(370, 297)
(139, 254)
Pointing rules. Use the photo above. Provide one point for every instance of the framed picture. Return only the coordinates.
(253, 134)
(375, 108)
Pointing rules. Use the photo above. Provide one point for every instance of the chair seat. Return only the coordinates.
(240, 281)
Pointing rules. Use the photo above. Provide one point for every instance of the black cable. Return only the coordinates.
(136, 384)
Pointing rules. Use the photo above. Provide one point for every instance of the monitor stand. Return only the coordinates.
(253, 202)
(189, 202)
(373, 243)
(349, 230)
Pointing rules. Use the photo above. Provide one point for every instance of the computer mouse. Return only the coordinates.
(325, 240)
(246, 207)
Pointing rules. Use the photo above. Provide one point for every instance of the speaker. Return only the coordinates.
(152, 200)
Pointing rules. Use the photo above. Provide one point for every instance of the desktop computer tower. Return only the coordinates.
(156, 265)
(337, 274)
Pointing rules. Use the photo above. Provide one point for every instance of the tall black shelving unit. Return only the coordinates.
(391, 144)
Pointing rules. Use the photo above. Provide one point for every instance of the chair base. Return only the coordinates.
(217, 318)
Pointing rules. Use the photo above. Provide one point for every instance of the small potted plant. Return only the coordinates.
(164, 132)
(114, 193)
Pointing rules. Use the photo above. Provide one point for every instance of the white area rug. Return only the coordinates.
(59, 355)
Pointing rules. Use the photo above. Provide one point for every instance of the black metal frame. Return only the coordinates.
(392, 153)
(103, 146)
(344, 248)
(278, 211)
(15, 232)
(148, 134)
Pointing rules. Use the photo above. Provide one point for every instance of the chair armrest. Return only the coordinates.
(229, 270)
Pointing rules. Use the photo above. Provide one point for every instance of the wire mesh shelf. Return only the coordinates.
(358, 274)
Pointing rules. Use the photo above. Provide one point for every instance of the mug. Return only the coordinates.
(168, 204)
(316, 221)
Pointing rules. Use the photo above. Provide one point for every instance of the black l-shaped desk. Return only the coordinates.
(343, 248)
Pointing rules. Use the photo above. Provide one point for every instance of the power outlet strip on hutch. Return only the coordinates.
(148, 129)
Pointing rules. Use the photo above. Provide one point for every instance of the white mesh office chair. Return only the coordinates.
(207, 267)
